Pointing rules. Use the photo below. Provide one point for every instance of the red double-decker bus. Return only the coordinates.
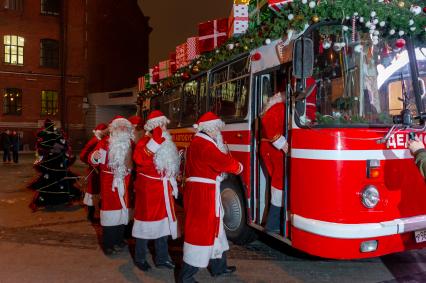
(352, 189)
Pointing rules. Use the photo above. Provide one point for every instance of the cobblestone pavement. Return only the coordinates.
(59, 245)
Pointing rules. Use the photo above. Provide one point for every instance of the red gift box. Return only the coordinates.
(212, 34)
(181, 55)
(193, 48)
(173, 62)
(164, 69)
(278, 5)
(141, 83)
(154, 74)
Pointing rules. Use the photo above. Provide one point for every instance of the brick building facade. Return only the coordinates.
(52, 54)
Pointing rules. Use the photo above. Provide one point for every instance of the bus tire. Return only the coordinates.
(235, 218)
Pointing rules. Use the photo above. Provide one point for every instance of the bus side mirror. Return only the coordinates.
(303, 58)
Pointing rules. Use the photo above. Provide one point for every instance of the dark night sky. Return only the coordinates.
(175, 20)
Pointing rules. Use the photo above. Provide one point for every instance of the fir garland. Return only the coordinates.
(389, 20)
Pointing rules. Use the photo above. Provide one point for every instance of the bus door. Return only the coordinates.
(266, 85)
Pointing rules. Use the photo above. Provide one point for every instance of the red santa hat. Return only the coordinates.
(101, 127)
(98, 131)
(136, 121)
(119, 121)
(155, 119)
(209, 122)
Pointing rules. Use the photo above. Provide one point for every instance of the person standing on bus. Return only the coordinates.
(205, 240)
(272, 149)
(157, 164)
(93, 188)
(417, 148)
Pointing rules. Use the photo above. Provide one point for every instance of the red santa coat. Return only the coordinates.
(154, 206)
(204, 233)
(270, 149)
(115, 208)
(93, 188)
(311, 101)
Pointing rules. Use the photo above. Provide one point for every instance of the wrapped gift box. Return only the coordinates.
(165, 70)
(212, 34)
(154, 75)
(142, 83)
(193, 48)
(238, 21)
(181, 55)
(278, 5)
(173, 62)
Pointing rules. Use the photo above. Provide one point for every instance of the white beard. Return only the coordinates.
(167, 159)
(119, 153)
(220, 144)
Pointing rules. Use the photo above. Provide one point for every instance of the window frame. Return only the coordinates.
(17, 104)
(9, 54)
(46, 8)
(212, 86)
(14, 5)
(47, 105)
(49, 53)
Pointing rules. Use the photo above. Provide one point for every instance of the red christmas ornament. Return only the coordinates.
(400, 43)
(185, 76)
(256, 56)
(424, 9)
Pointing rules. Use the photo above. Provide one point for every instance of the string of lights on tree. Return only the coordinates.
(386, 20)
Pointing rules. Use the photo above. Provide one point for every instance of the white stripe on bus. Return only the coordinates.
(319, 154)
(239, 147)
(236, 127)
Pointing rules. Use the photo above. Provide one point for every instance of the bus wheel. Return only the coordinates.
(235, 219)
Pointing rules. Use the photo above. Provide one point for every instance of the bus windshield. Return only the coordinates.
(360, 79)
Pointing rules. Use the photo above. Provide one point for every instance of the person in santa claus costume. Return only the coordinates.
(272, 149)
(113, 157)
(93, 188)
(206, 161)
(138, 125)
(157, 164)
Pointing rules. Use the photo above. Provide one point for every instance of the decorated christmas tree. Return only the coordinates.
(55, 184)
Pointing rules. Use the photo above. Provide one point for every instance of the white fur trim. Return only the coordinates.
(88, 199)
(115, 217)
(156, 122)
(240, 170)
(153, 146)
(120, 122)
(198, 256)
(211, 126)
(280, 143)
(151, 229)
(276, 197)
(93, 160)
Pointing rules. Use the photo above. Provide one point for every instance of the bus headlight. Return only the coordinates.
(370, 196)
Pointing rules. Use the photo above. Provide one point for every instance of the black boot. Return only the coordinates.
(91, 213)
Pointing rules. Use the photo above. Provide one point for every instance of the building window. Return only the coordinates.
(49, 53)
(50, 7)
(13, 5)
(13, 49)
(12, 101)
(49, 102)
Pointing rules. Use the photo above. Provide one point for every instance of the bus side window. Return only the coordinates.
(202, 105)
(170, 106)
(230, 90)
(190, 101)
